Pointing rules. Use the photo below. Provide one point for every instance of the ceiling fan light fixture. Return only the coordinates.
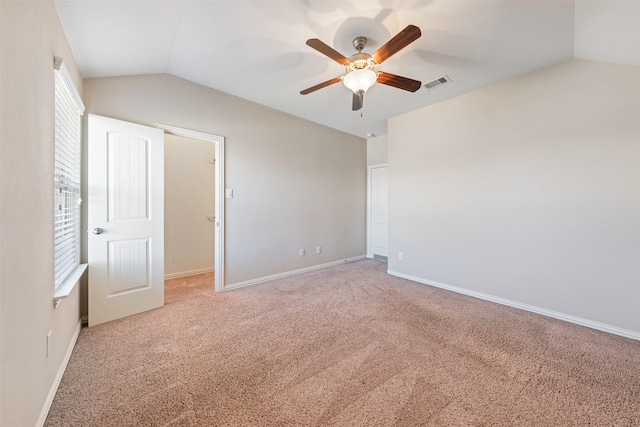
(360, 67)
(360, 80)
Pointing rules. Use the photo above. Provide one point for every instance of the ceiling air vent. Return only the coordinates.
(437, 83)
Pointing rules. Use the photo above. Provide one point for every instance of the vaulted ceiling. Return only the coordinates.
(256, 49)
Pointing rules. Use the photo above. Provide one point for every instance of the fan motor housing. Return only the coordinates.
(361, 61)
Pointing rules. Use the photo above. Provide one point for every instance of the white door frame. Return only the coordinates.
(218, 142)
(369, 216)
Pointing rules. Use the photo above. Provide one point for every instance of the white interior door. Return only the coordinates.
(125, 219)
(379, 211)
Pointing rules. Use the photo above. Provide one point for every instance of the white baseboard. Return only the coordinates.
(290, 273)
(56, 381)
(188, 273)
(543, 311)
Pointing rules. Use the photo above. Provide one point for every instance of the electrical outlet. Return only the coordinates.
(302, 252)
(400, 256)
(318, 249)
(49, 343)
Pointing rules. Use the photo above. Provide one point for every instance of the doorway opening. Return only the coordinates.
(378, 212)
(215, 159)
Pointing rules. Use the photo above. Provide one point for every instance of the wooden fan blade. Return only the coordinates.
(399, 81)
(320, 85)
(358, 99)
(410, 34)
(327, 50)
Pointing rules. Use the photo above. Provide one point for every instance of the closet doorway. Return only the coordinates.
(193, 189)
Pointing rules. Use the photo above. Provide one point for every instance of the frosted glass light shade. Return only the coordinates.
(360, 80)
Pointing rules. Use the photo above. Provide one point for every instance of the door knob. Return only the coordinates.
(97, 231)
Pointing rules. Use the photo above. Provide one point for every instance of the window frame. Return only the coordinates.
(67, 135)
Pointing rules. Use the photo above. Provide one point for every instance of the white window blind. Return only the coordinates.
(68, 110)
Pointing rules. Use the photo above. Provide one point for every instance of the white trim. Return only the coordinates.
(291, 273)
(369, 171)
(219, 245)
(543, 311)
(56, 381)
(58, 65)
(219, 194)
(188, 133)
(68, 285)
(188, 273)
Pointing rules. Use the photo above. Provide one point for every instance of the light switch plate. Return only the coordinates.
(229, 193)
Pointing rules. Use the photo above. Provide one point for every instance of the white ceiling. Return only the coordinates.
(256, 49)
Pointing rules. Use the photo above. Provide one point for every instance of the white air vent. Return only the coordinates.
(437, 83)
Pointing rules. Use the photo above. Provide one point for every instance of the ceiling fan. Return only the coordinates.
(360, 66)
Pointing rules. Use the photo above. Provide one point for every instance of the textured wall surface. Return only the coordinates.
(31, 36)
(528, 190)
(296, 184)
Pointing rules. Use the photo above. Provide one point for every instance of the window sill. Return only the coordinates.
(68, 285)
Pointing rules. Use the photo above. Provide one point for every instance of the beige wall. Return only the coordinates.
(528, 190)
(189, 192)
(31, 35)
(377, 148)
(296, 184)
(607, 31)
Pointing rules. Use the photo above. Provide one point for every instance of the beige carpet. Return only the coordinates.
(345, 346)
